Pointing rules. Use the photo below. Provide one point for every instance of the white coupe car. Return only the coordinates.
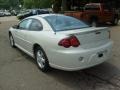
(61, 42)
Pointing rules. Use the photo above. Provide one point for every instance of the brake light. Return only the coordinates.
(68, 42)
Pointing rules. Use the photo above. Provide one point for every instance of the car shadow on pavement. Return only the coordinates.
(103, 74)
(100, 76)
(26, 56)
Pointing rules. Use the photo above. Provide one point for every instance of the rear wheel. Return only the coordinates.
(12, 43)
(41, 59)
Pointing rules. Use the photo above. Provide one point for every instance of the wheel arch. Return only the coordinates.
(9, 33)
(34, 49)
(35, 46)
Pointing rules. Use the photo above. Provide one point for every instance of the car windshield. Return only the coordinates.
(63, 23)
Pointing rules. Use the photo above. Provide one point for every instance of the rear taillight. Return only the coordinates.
(68, 42)
(74, 41)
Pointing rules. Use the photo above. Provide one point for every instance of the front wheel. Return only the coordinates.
(12, 43)
(41, 59)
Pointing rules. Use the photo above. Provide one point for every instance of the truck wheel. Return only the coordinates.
(115, 21)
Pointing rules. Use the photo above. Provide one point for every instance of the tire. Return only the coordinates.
(115, 21)
(12, 43)
(41, 59)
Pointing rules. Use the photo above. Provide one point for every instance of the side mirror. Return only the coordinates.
(15, 26)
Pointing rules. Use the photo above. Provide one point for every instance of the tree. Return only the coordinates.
(7, 4)
(13, 3)
(27, 3)
(45, 3)
(37, 3)
(57, 5)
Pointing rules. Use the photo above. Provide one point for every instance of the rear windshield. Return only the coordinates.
(63, 23)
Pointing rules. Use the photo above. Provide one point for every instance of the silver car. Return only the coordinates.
(61, 42)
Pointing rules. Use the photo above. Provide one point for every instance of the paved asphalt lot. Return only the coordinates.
(19, 72)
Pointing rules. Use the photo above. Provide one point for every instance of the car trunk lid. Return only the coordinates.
(90, 37)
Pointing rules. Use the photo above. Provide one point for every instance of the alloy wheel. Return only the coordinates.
(40, 59)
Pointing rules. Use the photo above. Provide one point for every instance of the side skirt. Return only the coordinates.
(24, 50)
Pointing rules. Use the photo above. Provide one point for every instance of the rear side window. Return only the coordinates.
(35, 25)
(24, 25)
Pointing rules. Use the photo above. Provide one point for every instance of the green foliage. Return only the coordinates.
(57, 5)
(13, 4)
(45, 3)
(7, 4)
(37, 3)
(27, 3)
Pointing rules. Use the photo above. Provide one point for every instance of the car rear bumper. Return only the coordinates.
(80, 59)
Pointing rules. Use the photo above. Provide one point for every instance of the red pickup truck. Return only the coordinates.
(95, 13)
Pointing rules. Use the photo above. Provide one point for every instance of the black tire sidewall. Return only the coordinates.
(10, 36)
(46, 66)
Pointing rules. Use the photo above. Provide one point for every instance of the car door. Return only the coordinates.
(21, 32)
(34, 28)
